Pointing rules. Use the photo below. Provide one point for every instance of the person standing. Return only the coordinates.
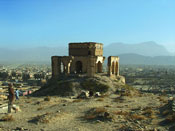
(17, 94)
(11, 97)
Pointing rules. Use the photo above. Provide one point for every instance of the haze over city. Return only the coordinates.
(27, 24)
(87, 65)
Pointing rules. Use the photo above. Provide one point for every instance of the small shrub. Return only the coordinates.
(99, 113)
(40, 108)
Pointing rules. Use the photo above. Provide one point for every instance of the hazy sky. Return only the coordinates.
(30, 23)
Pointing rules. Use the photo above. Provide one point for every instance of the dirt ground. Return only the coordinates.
(106, 113)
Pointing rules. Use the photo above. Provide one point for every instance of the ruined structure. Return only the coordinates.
(84, 58)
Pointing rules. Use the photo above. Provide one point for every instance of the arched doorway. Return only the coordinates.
(113, 67)
(99, 67)
(78, 67)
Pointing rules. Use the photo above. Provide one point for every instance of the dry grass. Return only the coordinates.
(149, 113)
(166, 112)
(90, 117)
(7, 118)
(48, 117)
(118, 99)
(40, 108)
(124, 113)
(171, 118)
(48, 98)
(130, 91)
(77, 100)
(153, 116)
(162, 99)
(108, 106)
(99, 113)
(128, 115)
(126, 93)
(100, 110)
(104, 95)
(41, 118)
(100, 99)
(28, 101)
(137, 117)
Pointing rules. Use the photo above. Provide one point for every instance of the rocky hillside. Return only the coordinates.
(74, 85)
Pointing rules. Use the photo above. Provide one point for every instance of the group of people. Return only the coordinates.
(11, 96)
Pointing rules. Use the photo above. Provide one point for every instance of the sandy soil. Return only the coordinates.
(69, 114)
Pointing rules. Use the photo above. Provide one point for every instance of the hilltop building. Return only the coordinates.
(84, 58)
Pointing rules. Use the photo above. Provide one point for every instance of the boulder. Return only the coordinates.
(97, 94)
(84, 94)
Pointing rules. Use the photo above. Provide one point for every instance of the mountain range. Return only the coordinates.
(143, 53)
(146, 49)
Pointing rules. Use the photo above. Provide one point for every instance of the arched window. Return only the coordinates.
(99, 67)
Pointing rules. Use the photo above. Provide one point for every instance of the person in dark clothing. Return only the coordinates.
(11, 97)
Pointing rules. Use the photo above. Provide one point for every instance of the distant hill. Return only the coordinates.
(146, 60)
(32, 54)
(146, 48)
(143, 53)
